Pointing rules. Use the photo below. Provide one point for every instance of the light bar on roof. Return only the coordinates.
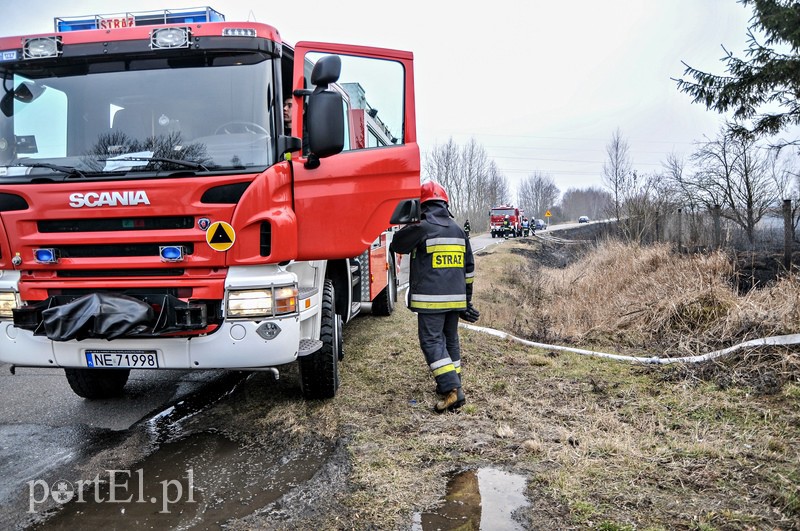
(190, 15)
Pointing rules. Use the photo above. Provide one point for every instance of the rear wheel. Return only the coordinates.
(319, 372)
(386, 299)
(97, 383)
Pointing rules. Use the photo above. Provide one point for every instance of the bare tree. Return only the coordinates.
(617, 170)
(733, 173)
(784, 172)
(684, 192)
(474, 177)
(442, 164)
(646, 196)
(537, 194)
(473, 181)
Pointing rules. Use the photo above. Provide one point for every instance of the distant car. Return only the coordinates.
(583, 219)
(539, 224)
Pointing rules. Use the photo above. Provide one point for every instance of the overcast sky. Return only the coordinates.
(541, 84)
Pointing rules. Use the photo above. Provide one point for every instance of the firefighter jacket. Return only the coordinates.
(442, 266)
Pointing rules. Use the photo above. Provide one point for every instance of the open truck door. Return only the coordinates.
(344, 200)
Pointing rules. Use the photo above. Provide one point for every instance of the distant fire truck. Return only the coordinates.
(155, 214)
(497, 217)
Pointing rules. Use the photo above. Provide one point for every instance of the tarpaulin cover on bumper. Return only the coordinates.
(97, 315)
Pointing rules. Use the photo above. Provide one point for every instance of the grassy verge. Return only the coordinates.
(604, 445)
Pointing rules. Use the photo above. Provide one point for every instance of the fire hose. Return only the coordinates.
(790, 339)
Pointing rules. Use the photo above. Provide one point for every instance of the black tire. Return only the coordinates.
(319, 372)
(384, 303)
(95, 384)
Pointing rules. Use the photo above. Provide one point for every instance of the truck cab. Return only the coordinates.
(155, 214)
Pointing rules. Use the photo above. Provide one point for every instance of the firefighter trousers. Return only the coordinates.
(438, 339)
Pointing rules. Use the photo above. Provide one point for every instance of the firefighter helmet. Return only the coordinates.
(431, 191)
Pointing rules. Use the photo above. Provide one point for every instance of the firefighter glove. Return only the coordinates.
(470, 315)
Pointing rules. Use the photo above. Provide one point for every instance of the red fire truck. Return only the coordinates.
(497, 216)
(156, 214)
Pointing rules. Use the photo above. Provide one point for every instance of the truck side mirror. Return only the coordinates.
(325, 112)
(406, 211)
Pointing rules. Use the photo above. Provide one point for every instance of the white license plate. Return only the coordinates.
(126, 359)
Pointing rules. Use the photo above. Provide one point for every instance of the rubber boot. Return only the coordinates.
(450, 401)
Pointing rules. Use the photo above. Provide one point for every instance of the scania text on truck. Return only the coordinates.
(154, 214)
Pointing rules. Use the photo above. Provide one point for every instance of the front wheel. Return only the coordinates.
(94, 384)
(319, 372)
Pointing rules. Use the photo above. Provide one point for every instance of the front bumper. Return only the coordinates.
(236, 344)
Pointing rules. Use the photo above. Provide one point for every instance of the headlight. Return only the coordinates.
(8, 301)
(262, 302)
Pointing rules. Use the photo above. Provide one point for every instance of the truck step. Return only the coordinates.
(309, 346)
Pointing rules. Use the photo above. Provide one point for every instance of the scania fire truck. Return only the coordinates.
(156, 214)
(497, 217)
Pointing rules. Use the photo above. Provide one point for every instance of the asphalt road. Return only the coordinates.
(46, 431)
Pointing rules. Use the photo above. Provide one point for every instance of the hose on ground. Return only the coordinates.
(790, 339)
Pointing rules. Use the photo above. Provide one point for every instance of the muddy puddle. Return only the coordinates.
(200, 481)
(485, 499)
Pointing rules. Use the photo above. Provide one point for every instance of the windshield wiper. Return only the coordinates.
(178, 162)
(69, 170)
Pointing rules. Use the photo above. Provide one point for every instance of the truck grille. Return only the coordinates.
(115, 224)
(106, 273)
(117, 250)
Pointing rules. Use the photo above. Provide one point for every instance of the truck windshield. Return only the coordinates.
(503, 212)
(139, 115)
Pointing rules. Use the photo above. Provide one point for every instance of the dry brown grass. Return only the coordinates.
(647, 298)
(604, 445)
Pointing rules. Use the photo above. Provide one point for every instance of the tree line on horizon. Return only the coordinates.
(743, 173)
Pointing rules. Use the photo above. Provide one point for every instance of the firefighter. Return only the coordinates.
(466, 228)
(287, 117)
(440, 289)
(506, 226)
(525, 227)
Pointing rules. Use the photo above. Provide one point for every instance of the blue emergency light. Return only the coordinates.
(171, 253)
(45, 256)
(144, 18)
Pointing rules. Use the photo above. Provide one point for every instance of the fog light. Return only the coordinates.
(45, 256)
